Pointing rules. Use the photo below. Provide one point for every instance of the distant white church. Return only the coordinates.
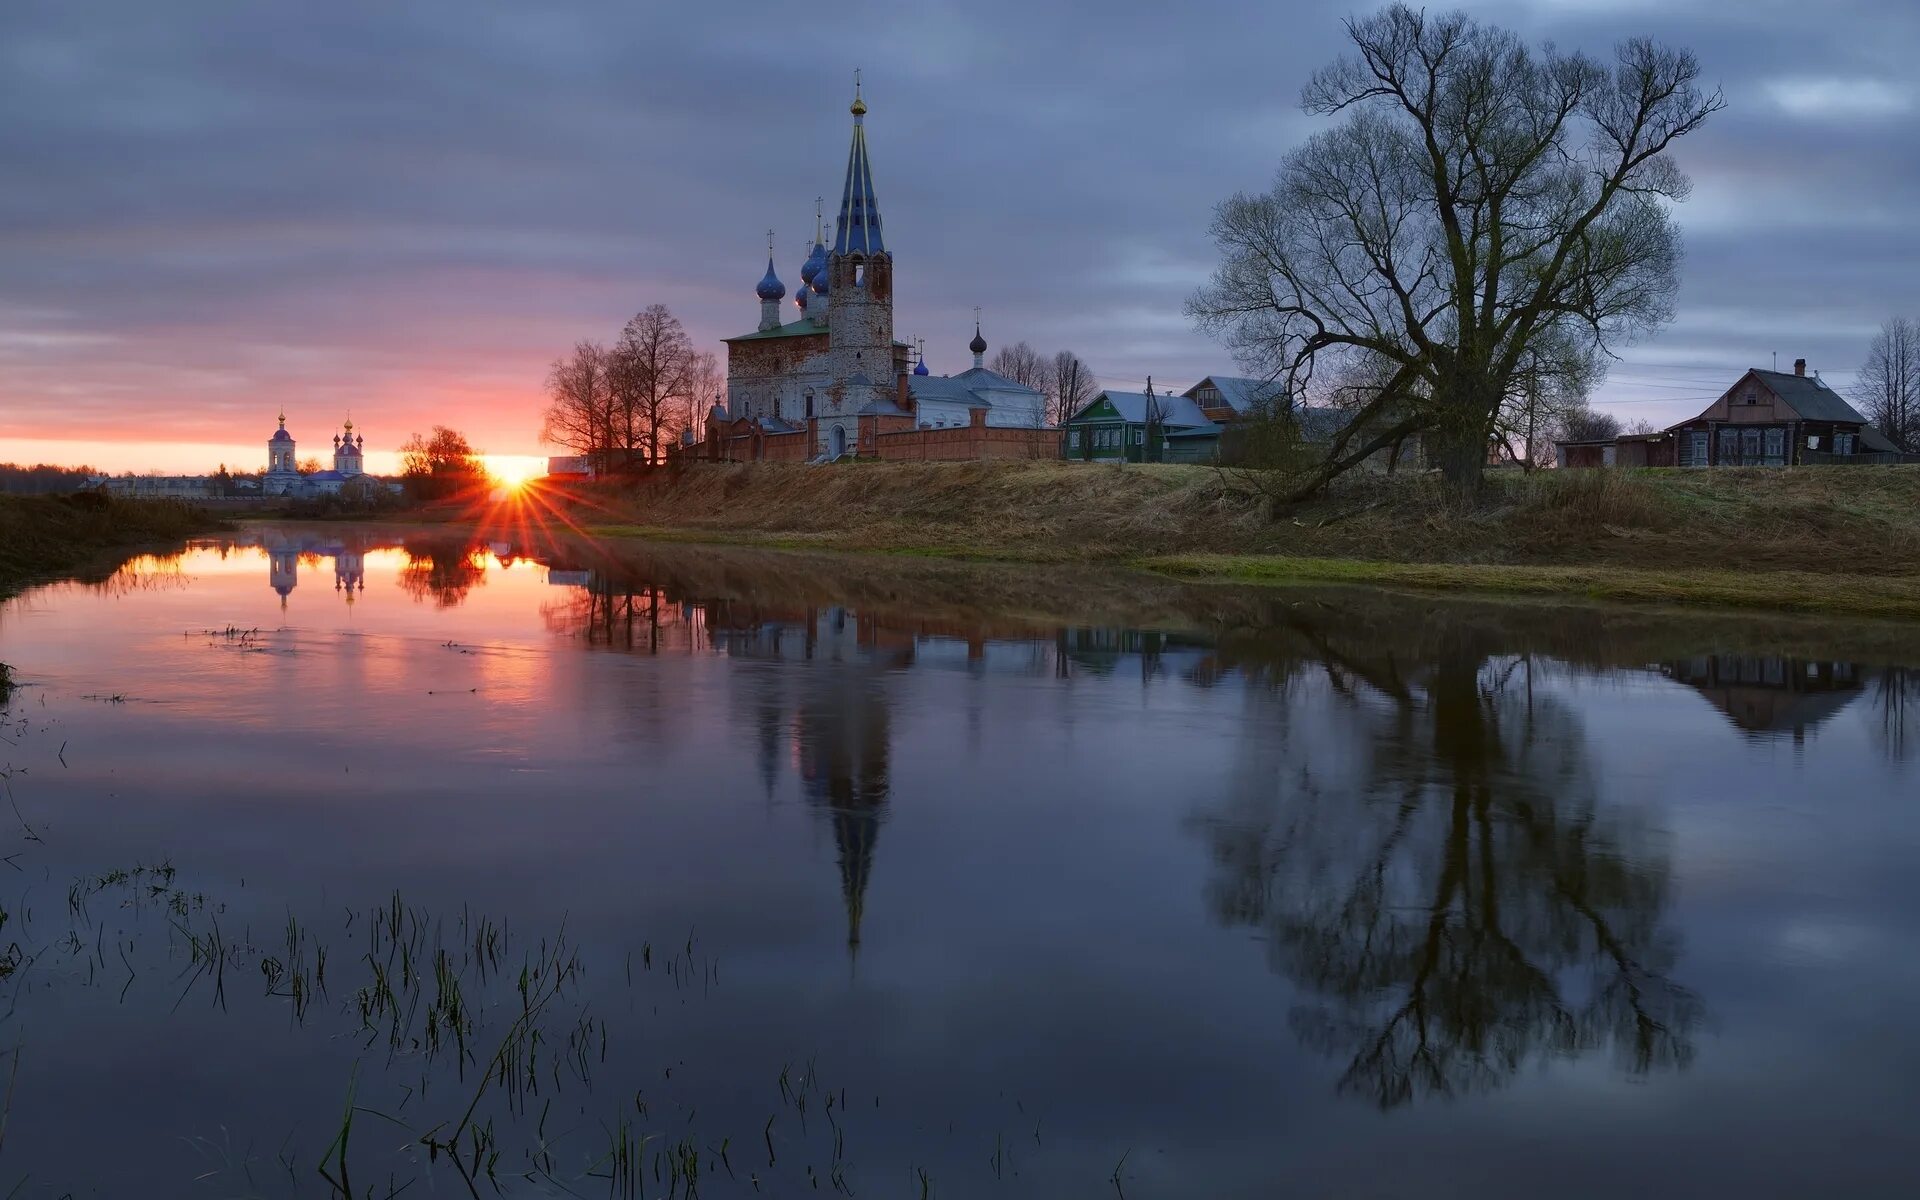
(283, 477)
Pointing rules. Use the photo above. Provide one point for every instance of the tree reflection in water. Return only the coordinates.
(444, 569)
(1463, 903)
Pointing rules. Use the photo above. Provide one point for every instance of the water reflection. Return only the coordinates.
(442, 569)
(1771, 695)
(963, 833)
(1445, 884)
(287, 550)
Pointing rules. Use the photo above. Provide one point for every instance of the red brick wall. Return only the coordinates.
(967, 444)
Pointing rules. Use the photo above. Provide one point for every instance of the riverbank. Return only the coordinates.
(42, 537)
(1823, 540)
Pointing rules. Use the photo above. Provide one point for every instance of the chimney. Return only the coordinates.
(1799, 366)
(903, 397)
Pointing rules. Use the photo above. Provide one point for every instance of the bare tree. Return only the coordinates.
(1549, 390)
(650, 372)
(1478, 196)
(1889, 384)
(1070, 387)
(707, 386)
(1586, 425)
(580, 415)
(1022, 364)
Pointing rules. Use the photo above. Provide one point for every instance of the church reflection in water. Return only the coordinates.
(1412, 820)
(287, 551)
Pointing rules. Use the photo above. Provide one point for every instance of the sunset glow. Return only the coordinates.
(514, 470)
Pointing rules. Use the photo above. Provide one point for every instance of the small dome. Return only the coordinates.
(770, 287)
(979, 344)
(816, 262)
(800, 295)
(920, 368)
(281, 435)
(820, 282)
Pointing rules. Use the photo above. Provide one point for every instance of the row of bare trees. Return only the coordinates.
(1065, 379)
(623, 405)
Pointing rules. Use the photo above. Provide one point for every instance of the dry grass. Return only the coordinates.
(46, 536)
(1821, 518)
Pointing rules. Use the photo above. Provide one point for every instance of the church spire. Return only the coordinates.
(858, 229)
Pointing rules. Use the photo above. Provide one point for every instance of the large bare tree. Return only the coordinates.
(1889, 385)
(1479, 195)
(580, 415)
(651, 371)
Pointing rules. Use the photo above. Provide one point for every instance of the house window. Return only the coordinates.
(1776, 447)
(1843, 443)
(1729, 448)
(1073, 439)
(1209, 396)
(1696, 448)
(1139, 436)
(1750, 445)
(1751, 396)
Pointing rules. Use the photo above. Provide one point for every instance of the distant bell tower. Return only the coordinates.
(280, 450)
(346, 451)
(859, 288)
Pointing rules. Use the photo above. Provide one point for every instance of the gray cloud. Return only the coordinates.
(207, 210)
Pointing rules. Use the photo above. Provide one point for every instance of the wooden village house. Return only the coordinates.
(1766, 419)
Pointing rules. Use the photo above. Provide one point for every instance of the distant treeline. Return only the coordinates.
(42, 478)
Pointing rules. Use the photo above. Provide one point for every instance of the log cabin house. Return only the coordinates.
(1766, 419)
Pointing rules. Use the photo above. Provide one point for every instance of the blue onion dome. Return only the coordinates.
(816, 262)
(820, 282)
(920, 368)
(800, 295)
(770, 286)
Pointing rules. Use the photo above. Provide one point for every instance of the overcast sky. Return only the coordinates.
(210, 210)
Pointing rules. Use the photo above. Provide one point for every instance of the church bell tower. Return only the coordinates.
(859, 287)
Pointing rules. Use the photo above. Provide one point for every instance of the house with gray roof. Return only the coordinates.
(1766, 419)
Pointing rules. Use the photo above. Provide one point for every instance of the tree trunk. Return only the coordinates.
(1458, 447)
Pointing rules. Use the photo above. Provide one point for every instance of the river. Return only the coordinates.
(363, 858)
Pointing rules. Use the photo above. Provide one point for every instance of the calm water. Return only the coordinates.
(883, 879)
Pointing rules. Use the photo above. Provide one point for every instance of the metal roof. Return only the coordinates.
(982, 377)
(1239, 394)
(857, 231)
(804, 327)
(1809, 397)
(969, 387)
(1132, 407)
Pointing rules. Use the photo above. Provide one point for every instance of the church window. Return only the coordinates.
(809, 402)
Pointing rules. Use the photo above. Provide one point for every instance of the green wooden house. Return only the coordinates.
(1135, 427)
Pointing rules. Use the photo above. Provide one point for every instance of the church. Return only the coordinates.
(834, 381)
(283, 477)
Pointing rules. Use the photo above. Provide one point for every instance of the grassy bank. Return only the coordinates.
(43, 537)
(1821, 539)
